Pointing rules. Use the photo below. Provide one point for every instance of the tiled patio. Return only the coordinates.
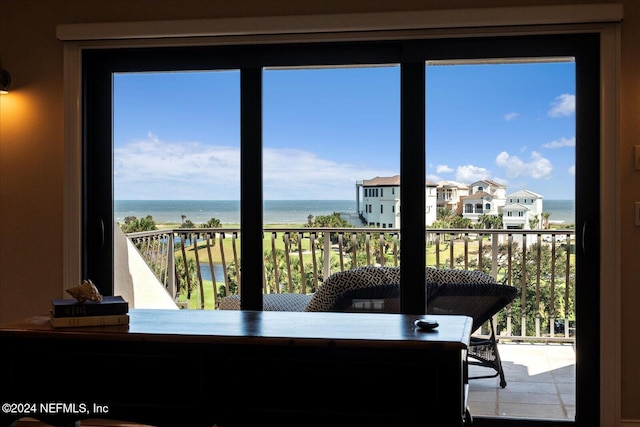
(540, 383)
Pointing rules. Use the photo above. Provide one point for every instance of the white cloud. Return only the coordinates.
(572, 170)
(564, 105)
(511, 116)
(152, 137)
(538, 168)
(562, 142)
(300, 174)
(156, 169)
(470, 173)
(500, 180)
(443, 169)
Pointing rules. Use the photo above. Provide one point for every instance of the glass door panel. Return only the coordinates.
(331, 159)
(501, 156)
(176, 180)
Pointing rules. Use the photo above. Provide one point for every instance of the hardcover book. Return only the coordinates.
(104, 320)
(70, 307)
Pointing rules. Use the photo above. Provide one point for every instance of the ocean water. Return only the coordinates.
(228, 211)
(274, 211)
(562, 211)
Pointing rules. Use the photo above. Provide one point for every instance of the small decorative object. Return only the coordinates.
(86, 291)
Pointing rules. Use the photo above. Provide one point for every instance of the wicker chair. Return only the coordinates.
(480, 301)
(454, 292)
(377, 289)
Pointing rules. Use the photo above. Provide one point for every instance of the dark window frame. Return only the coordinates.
(97, 188)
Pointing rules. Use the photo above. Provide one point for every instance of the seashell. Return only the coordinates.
(86, 291)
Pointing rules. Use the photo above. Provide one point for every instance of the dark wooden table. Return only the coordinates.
(177, 367)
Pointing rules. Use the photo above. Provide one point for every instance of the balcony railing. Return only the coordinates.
(194, 262)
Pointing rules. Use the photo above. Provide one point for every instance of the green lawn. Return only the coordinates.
(195, 300)
(279, 244)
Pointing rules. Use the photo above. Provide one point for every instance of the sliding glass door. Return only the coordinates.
(315, 121)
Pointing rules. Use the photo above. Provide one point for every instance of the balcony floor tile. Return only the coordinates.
(540, 383)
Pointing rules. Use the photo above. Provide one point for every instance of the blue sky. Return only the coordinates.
(176, 135)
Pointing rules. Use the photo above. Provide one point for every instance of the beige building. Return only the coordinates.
(449, 195)
(485, 198)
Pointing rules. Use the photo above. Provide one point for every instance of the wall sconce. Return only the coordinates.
(5, 81)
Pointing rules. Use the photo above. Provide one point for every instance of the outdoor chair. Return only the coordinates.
(360, 277)
(377, 289)
(480, 301)
(327, 292)
(449, 292)
(338, 283)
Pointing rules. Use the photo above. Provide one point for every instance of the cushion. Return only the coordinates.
(342, 281)
(378, 298)
(367, 276)
(271, 302)
(443, 276)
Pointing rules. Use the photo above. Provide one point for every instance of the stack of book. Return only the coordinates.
(68, 312)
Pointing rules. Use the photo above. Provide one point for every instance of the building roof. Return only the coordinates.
(525, 193)
(445, 183)
(382, 181)
(389, 181)
(480, 195)
(491, 183)
(516, 207)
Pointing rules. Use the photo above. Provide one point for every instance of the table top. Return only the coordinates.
(272, 327)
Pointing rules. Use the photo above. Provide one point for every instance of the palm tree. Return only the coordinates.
(444, 218)
(533, 222)
(545, 219)
(212, 223)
